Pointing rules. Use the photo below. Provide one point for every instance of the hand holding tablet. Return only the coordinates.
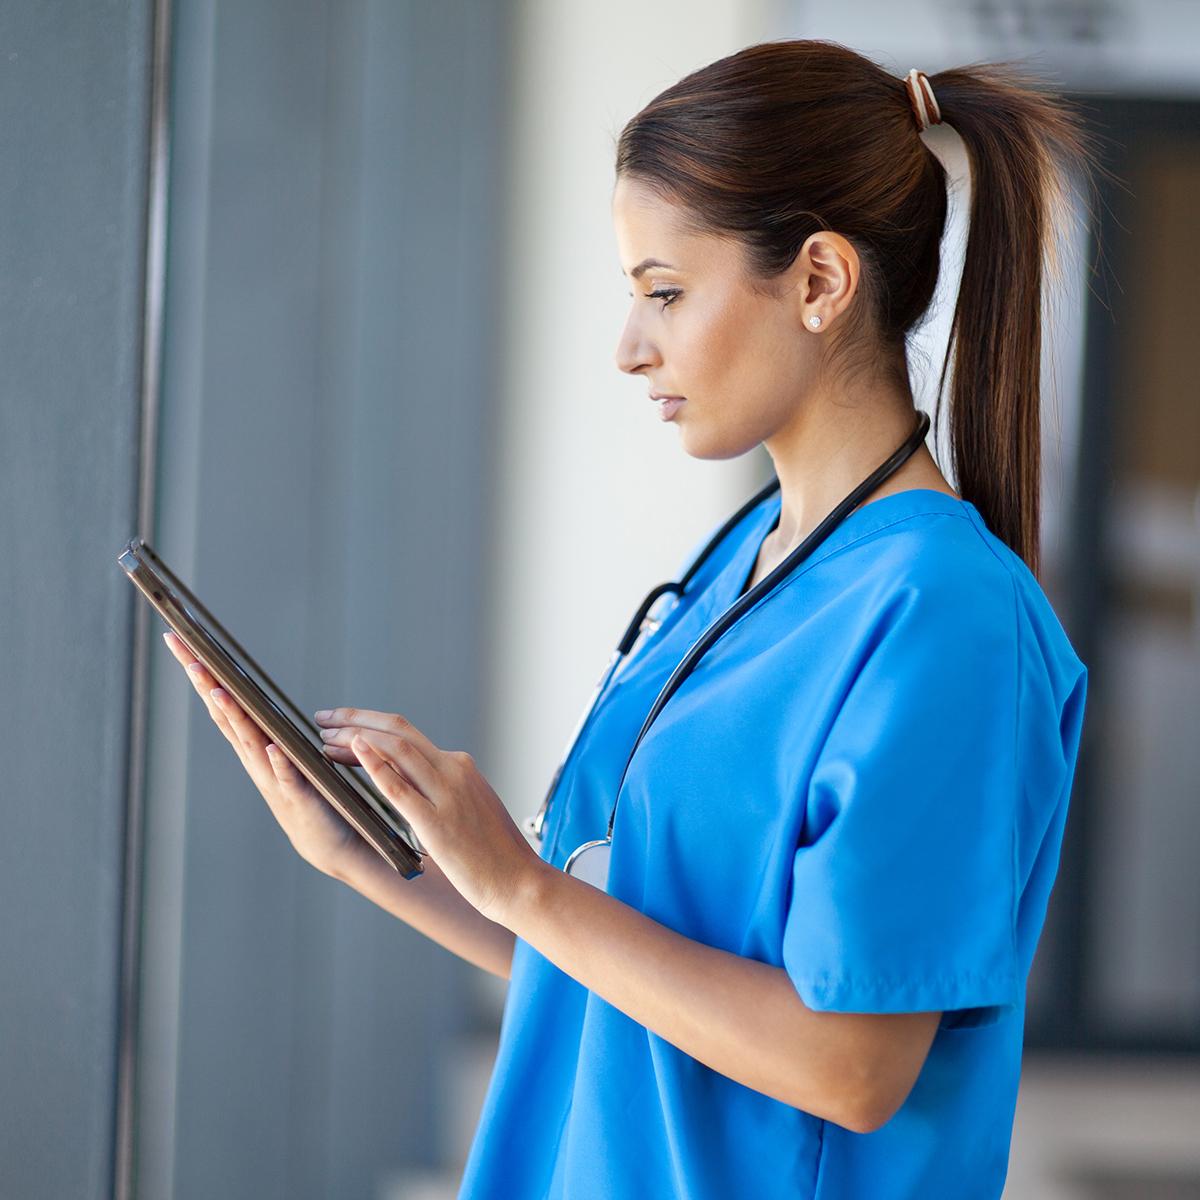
(255, 713)
(318, 833)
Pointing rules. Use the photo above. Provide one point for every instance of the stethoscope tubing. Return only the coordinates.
(535, 824)
(714, 631)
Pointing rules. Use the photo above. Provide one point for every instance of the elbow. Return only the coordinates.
(864, 1113)
(871, 1108)
(849, 1103)
(869, 1105)
(874, 1087)
(867, 1117)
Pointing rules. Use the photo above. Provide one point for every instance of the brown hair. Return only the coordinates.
(785, 138)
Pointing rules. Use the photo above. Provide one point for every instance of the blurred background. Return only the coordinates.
(322, 299)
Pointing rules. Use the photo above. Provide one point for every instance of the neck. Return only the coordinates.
(831, 446)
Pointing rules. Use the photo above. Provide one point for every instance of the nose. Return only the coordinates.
(634, 353)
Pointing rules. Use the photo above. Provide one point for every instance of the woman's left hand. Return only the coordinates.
(441, 794)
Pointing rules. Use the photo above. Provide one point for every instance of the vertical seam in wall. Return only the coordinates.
(154, 263)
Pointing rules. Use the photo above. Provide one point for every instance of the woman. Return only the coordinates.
(803, 974)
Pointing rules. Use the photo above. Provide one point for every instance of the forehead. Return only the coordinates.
(648, 225)
(638, 209)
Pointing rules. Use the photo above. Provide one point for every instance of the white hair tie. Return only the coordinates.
(920, 96)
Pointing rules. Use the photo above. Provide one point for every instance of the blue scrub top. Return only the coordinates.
(864, 782)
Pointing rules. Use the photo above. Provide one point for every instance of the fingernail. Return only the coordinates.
(217, 695)
(195, 668)
(323, 714)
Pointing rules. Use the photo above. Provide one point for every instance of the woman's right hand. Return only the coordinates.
(317, 831)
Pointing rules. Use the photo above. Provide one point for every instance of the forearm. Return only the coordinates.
(430, 903)
(738, 1016)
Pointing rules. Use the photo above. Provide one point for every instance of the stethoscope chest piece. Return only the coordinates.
(589, 862)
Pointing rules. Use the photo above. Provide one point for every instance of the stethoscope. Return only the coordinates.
(589, 861)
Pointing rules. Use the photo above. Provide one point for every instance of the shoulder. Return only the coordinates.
(942, 575)
(929, 565)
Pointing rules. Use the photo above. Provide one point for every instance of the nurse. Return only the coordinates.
(800, 968)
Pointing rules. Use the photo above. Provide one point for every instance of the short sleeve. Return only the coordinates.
(903, 889)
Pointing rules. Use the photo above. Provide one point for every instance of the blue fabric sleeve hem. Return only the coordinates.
(965, 999)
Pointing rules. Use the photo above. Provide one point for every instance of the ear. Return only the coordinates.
(826, 269)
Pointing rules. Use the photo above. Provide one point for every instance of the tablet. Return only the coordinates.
(355, 797)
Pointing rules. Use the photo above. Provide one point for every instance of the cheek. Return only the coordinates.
(747, 366)
(721, 344)
(727, 364)
(750, 363)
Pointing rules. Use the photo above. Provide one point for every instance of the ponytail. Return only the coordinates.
(1022, 145)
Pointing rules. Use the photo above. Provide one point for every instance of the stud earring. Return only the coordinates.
(814, 320)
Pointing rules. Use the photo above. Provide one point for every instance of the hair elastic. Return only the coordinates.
(920, 96)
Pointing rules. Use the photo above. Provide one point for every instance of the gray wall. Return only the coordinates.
(73, 113)
(321, 479)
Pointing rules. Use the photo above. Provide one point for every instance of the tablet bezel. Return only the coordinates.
(357, 799)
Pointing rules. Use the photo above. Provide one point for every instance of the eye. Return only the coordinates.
(666, 295)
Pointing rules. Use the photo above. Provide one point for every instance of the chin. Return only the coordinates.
(712, 445)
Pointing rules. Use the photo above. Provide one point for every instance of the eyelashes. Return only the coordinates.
(666, 295)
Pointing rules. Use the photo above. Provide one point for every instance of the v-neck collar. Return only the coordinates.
(721, 591)
(867, 518)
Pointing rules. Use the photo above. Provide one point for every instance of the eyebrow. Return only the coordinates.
(646, 264)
